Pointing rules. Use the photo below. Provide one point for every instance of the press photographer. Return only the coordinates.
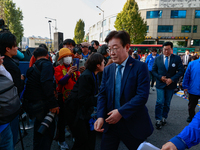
(39, 98)
(94, 46)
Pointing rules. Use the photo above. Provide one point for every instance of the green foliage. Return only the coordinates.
(79, 31)
(181, 43)
(130, 20)
(12, 17)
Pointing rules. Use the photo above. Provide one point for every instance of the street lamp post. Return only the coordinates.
(102, 21)
(55, 22)
(50, 45)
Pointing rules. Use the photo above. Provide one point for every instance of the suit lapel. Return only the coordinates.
(112, 84)
(129, 65)
(170, 63)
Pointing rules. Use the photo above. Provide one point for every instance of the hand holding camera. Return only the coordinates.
(72, 70)
(55, 110)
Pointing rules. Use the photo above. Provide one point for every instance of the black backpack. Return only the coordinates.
(10, 104)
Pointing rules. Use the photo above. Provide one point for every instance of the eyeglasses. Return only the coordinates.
(112, 50)
(83, 46)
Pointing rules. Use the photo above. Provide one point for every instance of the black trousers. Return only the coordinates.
(193, 101)
(43, 142)
(116, 133)
(61, 119)
(84, 138)
(152, 78)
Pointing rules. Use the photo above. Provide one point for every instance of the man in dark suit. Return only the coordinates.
(186, 58)
(123, 94)
(167, 69)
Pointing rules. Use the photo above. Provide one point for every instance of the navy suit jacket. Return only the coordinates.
(175, 71)
(134, 95)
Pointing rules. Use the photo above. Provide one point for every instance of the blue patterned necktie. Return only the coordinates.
(118, 86)
(166, 63)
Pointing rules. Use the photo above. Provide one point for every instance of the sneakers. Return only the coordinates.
(189, 119)
(158, 124)
(63, 145)
(164, 121)
(153, 88)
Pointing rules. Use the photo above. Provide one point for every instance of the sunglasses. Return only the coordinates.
(84, 46)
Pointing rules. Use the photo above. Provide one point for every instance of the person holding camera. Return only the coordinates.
(66, 76)
(85, 50)
(81, 102)
(39, 99)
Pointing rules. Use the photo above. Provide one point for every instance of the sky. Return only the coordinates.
(66, 13)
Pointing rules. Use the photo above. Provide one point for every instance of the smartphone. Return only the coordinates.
(76, 63)
(81, 62)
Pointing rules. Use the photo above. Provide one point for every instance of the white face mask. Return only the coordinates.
(67, 60)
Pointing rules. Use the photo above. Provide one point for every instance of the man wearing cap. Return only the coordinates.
(85, 50)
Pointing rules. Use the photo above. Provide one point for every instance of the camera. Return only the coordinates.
(48, 119)
(3, 27)
(77, 49)
(91, 48)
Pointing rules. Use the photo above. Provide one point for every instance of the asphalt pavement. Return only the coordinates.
(175, 123)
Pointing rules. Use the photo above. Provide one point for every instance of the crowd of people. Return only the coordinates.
(87, 88)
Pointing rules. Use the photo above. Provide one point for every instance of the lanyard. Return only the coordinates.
(96, 82)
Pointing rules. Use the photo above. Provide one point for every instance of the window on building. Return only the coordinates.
(194, 29)
(101, 35)
(196, 42)
(178, 14)
(104, 23)
(147, 29)
(165, 28)
(112, 20)
(154, 14)
(197, 14)
(185, 29)
(106, 33)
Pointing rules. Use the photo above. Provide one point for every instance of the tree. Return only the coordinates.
(79, 31)
(130, 20)
(12, 17)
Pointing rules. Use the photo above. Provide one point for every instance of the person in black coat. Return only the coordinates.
(40, 92)
(8, 48)
(81, 102)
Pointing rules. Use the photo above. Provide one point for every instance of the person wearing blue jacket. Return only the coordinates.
(188, 137)
(191, 84)
(150, 60)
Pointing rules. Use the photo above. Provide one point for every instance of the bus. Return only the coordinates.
(144, 48)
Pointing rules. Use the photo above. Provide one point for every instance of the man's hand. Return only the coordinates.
(168, 81)
(169, 146)
(55, 110)
(1, 59)
(72, 70)
(163, 79)
(81, 69)
(22, 77)
(114, 117)
(98, 125)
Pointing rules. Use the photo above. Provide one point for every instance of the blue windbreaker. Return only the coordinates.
(189, 136)
(150, 61)
(191, 80)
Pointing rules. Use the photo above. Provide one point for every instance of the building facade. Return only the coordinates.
(34, 41)
(167, 20)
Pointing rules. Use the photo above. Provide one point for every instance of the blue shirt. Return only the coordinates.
(2, 127)
(191, 80)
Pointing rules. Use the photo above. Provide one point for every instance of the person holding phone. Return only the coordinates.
(66, 76)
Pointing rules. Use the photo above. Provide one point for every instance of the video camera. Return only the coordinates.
(91, 48)
(3, 27)
(77, 49)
